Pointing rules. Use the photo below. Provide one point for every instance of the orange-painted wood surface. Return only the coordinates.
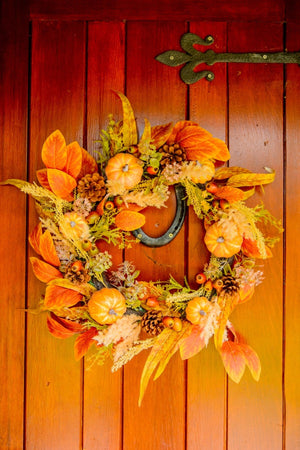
(60, 62)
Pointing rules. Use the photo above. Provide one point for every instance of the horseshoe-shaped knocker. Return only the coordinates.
(173, 230)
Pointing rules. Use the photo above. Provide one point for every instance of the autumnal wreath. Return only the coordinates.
(82, 203)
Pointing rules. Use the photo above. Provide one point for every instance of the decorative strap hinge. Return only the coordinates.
(192, 57)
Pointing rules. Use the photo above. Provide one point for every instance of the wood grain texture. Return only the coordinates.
(156, 93)
(292, 311)
(255, 141)
(14, 26)
(54, 378)
(206, 393)
(159, 10)
(106, 63)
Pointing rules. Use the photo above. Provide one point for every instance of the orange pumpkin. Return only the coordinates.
(223, 242)
(107, 305)
(124, 169)
(197, 310)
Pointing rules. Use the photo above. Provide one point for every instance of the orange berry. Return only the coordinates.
(86, 245)
(152, 302)
(208, 286)
(224, 204)
(200, 278)
(76, 266)
(177, 326)
(218, 284)
(109, 206)
(212, 188)
(92, 218)
(118, 201)
(152, 170)
(168, 321)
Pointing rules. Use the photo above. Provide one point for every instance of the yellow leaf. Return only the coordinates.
(14, 182)
(163, 349)
(251, 179)
(129, 129)
(146, 137)
(85, 289)
(227, 172)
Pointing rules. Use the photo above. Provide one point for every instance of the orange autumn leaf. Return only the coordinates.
(223, 152)
(42, 176)
(34, 238)
(54, 153)
(57, 297)
(160, 134)
(61, 183)
(250, 249)
(233, 360)
(236, 356)
(245, 293)
(179, 127)
(74, 159)
(192, 344)
(44, 271)
(47, 249)
(88, 165)
(83, 342)
(252, 360)
(230, 194)
(62, 328)
(129, 220)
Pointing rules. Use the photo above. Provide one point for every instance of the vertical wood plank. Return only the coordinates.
(106, 63)
(14, 26)
(255, 138)
(156, 93)
(292, 312)
(53, 408)
(206, 394)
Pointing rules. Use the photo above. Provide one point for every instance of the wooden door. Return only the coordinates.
(60, 63)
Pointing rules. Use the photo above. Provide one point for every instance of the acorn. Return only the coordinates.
(200, 278)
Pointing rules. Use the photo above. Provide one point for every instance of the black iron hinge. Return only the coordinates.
(192, 57)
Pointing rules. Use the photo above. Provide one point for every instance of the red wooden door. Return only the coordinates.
(61, 61)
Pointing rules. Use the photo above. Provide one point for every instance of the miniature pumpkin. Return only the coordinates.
(197, 310)
(223, 242)
(74, 223)
(107, 305)
(125, 169)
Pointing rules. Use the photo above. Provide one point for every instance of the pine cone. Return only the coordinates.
(172, 154)
(77, 275)
(92, 187)
(152, 322)
(230, 285)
